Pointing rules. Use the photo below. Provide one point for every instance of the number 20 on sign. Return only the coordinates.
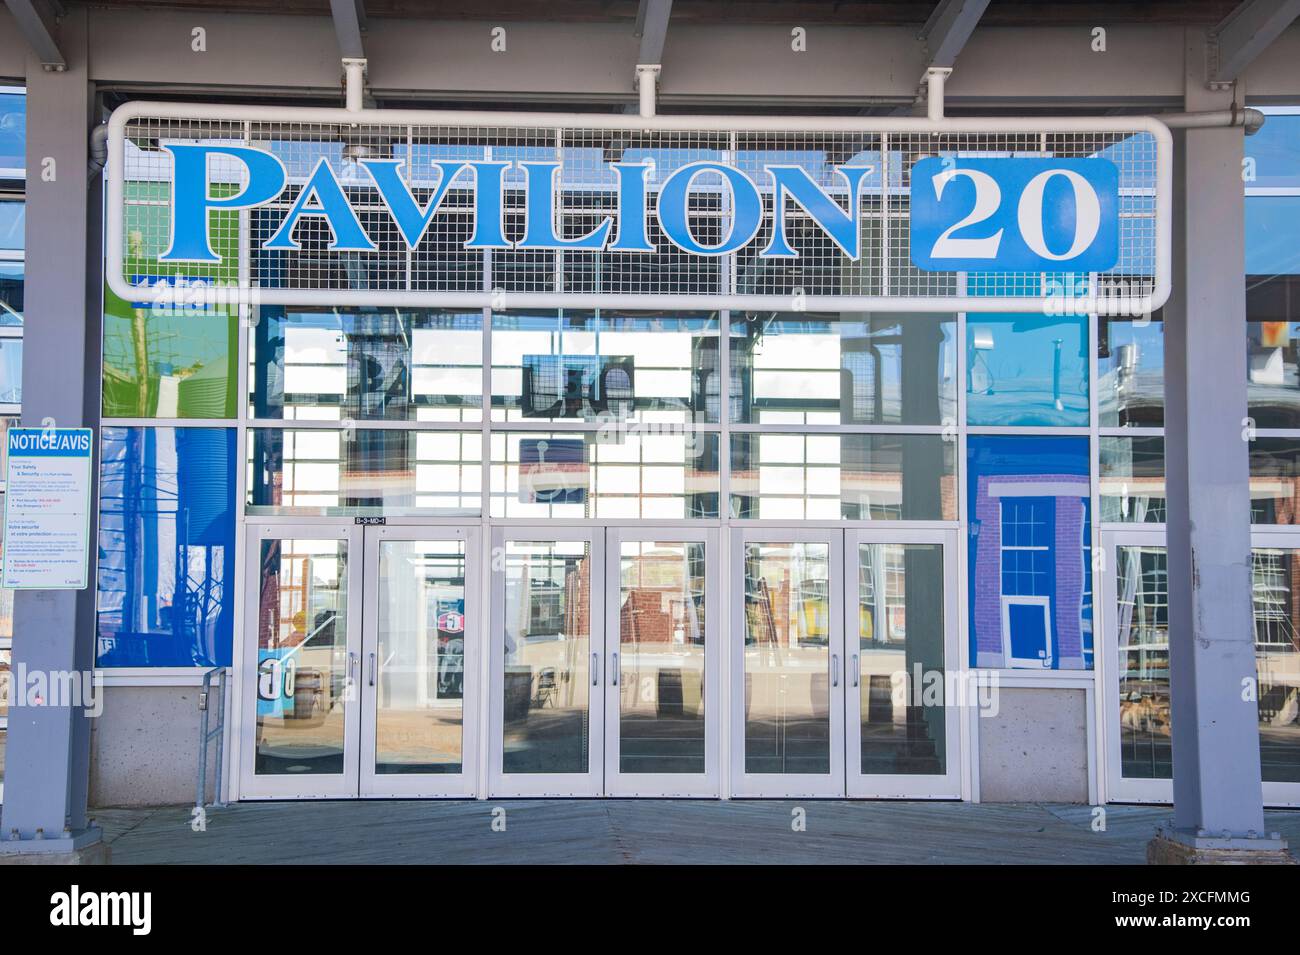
(1015, 215)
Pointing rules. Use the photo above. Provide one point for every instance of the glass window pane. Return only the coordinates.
(851, 368)
(842, 477)
(787, 658)
(1272, 235)
(1029, 544)
(1133, 479)
(1142, 626)
(420, 660)
(13, 215)
(1273, 350)
(11, 293)
(661, 622)
(302, 660)
(166, 575)
(670, 475)
(1130, 373)
(13, 132)
(168, 358)
(900, 638)
(1027, 370)
(11, 371)
(605, 366)
(1274, 479)
(367, 365)
(325, 471)
(547, 680)
(1275, 149)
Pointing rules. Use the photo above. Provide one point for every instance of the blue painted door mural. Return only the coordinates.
(1030, 552)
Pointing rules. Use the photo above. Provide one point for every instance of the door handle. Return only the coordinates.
(595, 669)
(855, 669)
(613, 669)
(352, 667)
(372, 669)
(835, 669)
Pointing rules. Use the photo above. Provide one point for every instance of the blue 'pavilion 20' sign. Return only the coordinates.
(324, 207)
(988, 215)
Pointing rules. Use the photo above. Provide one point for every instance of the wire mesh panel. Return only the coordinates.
(321, 206)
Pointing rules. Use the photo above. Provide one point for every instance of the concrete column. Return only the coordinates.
(1218, 799)
(48, 754)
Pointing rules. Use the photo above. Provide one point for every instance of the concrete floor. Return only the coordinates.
(600, 831)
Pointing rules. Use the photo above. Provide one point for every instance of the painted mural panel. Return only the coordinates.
(1030, 561)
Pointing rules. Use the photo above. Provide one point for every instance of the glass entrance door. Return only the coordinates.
(787, 663)
(420, 662)
(604, 662)
(548, 662)
(901, 653)
(301, 651)
(661, 641)
(841, 646)
(360, 670)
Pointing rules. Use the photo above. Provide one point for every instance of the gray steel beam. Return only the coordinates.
(652, 29)
(47, 759)
(36, 21)
(1214, 719)
(1246, 32)
(349, 20)
(950, 25)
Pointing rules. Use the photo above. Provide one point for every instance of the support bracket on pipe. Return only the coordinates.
(647, 81)
(935, 78)
(354, 83)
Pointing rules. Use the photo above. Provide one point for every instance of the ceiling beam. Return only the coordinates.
(652, 29)
(948, 29)
(349, 22)
(36, 21)
(1246, 32)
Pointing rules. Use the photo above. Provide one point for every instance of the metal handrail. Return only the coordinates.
(217, 675)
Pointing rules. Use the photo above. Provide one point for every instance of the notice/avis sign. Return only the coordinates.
(47, 509)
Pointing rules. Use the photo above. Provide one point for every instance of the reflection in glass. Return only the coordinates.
(605, 366)
(671, 475)
(302, 659)
(11, 371)
(1273, 350)
(169, 359)
(901, 658)
(1130, 372)
(13, 215)
(547, 679)
(323, 471)
(1027, 370)
(1272, 235)
(850, 368)
(367, 365)
(419, 669)
(1276, 599)
(166, 571)
(1274, 480)
(1132, 479)
(1143, 628)
(11, 293)
(787, 658)
(661, 657)
(849, 476)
